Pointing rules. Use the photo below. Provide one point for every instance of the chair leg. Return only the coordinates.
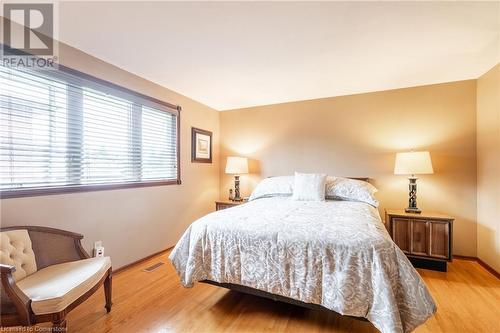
(59, 325)
(107, 291)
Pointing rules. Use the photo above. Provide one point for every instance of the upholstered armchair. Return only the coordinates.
(46, 273)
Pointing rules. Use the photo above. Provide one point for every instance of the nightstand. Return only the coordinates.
(425, 238)
(223, 204)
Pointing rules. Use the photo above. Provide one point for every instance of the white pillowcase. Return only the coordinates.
(309, 187)
(338, 188)
(273, 187)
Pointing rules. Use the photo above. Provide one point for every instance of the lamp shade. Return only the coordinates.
(236, 165)
(413, 163)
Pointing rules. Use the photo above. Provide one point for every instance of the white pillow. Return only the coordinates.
(339, 188)
(273, 187)
(309, 187)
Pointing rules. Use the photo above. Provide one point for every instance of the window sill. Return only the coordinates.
(31, 192)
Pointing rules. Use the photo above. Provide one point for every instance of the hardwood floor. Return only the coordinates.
(467, 296)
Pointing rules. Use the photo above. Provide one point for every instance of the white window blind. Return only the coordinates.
(62, 130)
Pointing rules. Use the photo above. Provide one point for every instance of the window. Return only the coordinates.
(63, 131)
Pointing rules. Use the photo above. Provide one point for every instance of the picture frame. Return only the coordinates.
(201, 145)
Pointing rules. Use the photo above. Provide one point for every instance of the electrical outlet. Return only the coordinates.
(99, 252)
(98, 249)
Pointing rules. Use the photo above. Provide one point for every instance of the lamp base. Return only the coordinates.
(413, 210)
(237, 196)
(412, 200)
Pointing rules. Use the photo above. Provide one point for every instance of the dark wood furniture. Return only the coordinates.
(425, 238)
(51, 246)
(223, 204)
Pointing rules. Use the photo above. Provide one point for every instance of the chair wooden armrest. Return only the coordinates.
(54, 246)
(7, 269)
(20, 301)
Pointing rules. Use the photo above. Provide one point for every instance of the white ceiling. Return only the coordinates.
(233, 55)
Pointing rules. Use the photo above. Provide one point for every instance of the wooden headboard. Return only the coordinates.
(364, 179)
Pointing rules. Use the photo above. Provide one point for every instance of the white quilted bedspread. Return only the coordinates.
(334, 253)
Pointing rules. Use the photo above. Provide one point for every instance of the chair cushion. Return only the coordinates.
(16, 250)
(53, 288)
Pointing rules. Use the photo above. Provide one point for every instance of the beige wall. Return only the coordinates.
(488, 168)
(132, 223)
(358, 135)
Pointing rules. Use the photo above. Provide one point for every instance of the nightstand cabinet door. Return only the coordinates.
(439, 239)
(220, 205)
(419, 237)
(401, 233)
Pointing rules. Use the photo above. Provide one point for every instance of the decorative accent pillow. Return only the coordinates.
(309, 187)
(338, 188)
(273, 187)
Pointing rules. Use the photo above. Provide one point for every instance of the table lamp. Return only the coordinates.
(413, 163)
(237, 166)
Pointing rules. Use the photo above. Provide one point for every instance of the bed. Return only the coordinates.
(331, 254)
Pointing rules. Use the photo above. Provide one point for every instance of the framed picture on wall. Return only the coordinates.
(201, 146)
